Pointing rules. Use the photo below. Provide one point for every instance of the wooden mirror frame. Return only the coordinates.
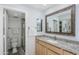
(72, 7)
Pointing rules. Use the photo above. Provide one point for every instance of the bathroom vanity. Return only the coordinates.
(61, 22)
(50, 46)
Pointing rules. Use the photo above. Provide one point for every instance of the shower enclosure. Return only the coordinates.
(15, 32)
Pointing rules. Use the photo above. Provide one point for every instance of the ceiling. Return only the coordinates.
(40, 6)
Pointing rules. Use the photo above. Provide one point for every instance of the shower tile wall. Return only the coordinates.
(14, 29)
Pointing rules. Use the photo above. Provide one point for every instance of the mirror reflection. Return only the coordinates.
(60, 22)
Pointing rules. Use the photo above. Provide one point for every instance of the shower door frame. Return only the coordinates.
(22, 33)
(10, 8)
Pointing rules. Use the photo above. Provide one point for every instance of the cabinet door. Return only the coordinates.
(37, 49)
(55, 49)
(50, 52)
(40, 49)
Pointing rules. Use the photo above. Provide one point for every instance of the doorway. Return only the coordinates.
(15, 32)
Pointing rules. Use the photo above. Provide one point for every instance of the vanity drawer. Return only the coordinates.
(55, 49)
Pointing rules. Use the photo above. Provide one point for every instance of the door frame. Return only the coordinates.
(22, 11)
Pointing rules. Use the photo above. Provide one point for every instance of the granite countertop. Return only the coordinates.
(61, 44)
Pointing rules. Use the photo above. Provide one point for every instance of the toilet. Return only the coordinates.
(14, 45)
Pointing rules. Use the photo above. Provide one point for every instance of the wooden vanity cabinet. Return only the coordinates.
(50, 52)
(40, 49)
(44, 48)
(68, 53)
(54, 49)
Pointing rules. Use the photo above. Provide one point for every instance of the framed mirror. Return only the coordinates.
(61, 21)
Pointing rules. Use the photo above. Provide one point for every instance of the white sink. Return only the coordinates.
(52, 41)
